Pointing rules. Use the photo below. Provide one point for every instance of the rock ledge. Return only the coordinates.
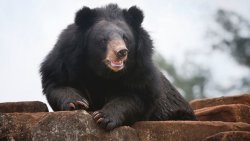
(220, 119)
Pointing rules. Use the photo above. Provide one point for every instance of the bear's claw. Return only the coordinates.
(75, 105)
(104, 121)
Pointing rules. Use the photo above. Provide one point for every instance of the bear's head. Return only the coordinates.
(110, 37)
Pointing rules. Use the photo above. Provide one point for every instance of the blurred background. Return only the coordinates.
(203, 46)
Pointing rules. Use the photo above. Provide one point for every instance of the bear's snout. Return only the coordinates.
(117, 54)
(117, 50)
(122, 53)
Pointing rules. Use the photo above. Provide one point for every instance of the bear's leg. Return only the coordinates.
(119, 111)
(172, 107)
(66, 98)
(180, 114)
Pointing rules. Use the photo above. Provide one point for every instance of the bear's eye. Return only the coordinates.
(103, 41)
(125, 39)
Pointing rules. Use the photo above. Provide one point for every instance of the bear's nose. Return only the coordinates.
(122, 53)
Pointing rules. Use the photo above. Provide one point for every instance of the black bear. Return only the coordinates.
(103, 63)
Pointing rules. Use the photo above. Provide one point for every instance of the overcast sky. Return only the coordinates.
(30, 28)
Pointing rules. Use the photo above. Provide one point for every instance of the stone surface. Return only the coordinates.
(230, 136)
(227, 113)
(79, 125)
(239, 99)
(63, 126)
(184, 130)
(25, 106)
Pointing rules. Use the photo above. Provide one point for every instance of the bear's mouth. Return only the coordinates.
(115, 65)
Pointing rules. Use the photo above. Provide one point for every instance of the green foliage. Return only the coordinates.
(235, 40)
(192, 86)
(238, 29)
(233, 37)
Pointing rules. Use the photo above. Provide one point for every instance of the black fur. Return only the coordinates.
(73, 72)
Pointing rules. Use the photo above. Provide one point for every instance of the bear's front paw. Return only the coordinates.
(105, 120)
(75, 104)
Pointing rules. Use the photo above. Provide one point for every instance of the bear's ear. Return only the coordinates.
(134, 15)
(85, 17)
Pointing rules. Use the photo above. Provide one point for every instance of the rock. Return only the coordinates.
(79, 125)
(25, 106)
(227, 113)
(63, 126)
(229, 136)
(202, 103)
(184, 130)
